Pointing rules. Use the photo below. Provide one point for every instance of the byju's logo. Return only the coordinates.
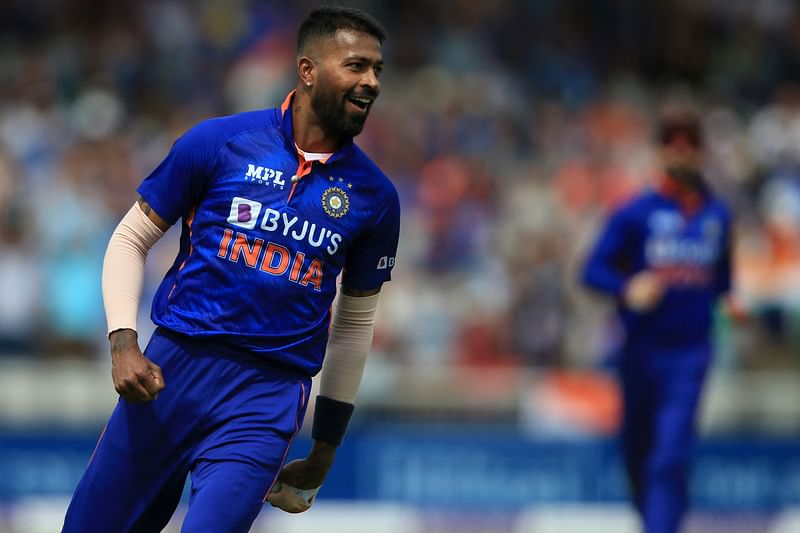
(244, 213)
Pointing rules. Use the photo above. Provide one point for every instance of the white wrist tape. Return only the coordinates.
(123, 267)
(348, 346)
(291, 499)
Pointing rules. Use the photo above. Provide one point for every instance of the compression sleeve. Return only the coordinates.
(123, 267)
(348, 346)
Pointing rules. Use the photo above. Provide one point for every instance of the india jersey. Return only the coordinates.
(265, 235)
(690, 252)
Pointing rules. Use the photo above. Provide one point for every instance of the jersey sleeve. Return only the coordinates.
(178, 182)
(609, 264)
(370, 260)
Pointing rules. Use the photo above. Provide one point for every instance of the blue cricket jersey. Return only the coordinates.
(260, 252)
(690, 250)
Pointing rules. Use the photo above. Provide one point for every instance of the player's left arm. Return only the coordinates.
(368, 265)
(349, 342)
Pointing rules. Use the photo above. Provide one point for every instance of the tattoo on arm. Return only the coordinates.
(359, 292)
(145, 206)
(162, 224)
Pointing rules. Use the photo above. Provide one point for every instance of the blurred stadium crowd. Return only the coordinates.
(510, 128)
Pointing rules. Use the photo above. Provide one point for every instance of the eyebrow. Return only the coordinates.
(364, 59)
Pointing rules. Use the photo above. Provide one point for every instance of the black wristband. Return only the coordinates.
(330, 420)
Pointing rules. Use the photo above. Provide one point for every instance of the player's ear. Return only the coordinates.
(306, 70)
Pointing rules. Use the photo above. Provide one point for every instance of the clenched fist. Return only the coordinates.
(644, 291)
(136, 378)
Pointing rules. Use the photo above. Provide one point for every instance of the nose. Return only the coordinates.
(371, 81)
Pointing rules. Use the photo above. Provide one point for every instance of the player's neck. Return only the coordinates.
(309, 134)
(679, 188)
(689, 197)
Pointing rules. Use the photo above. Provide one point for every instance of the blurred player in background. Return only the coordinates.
(665, 258)
(275, 204)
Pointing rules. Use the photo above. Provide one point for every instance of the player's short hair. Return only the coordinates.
(325, 21)
(684, 128)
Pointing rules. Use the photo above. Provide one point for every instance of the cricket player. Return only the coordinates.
(274, 205)
(665, 258)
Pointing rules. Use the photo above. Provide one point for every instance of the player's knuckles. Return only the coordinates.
(141, 375)
(131, 382)
(122, 385)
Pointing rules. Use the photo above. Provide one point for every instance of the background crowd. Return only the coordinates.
(510, 129)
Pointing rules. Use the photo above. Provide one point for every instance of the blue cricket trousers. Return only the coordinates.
(226, 422)
(661, 392)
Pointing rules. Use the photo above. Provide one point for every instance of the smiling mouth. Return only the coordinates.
(361, 102)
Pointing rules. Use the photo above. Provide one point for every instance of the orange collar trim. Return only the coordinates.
(288, 101)
(690, 201)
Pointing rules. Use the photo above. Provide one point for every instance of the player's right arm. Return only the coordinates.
(162, 224)
(167, 194)
(605, 269)
(609, 267)
(136, 378)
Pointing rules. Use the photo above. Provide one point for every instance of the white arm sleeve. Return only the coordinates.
(123, 267)
(348, 346)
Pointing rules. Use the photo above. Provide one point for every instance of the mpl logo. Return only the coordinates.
(265, 176)
(244, 212)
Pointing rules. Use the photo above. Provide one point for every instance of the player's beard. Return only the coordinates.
(331, 111)
(687, 176)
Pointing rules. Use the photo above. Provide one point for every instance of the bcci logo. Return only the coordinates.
(335, 202)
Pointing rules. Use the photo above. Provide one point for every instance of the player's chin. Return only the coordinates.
(353, 126)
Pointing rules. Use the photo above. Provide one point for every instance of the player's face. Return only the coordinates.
(683, 162)
(347, 82)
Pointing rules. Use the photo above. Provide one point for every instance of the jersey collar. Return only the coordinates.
(690, 202)
(286, 127)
